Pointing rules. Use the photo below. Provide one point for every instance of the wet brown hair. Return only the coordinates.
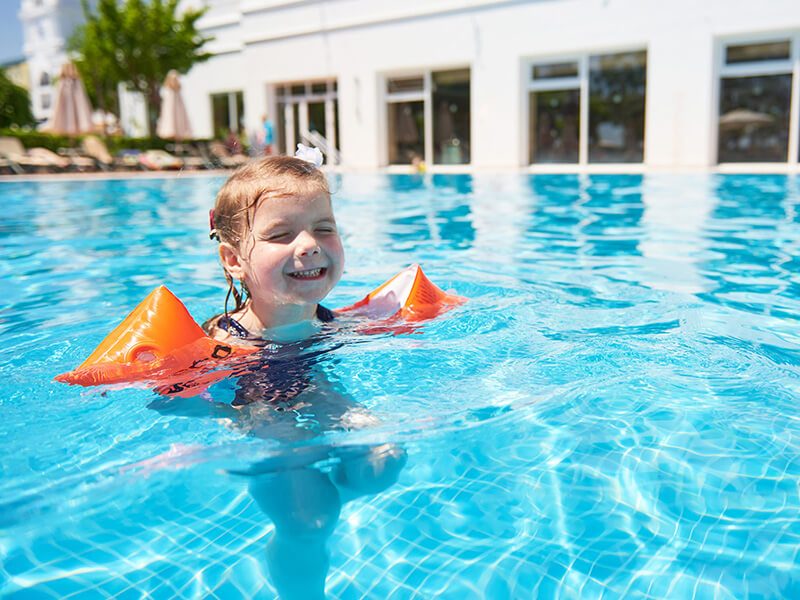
(239, 198)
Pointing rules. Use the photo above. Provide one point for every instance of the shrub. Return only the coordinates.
(15, 103)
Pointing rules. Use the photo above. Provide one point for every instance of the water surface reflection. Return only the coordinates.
(288, 398)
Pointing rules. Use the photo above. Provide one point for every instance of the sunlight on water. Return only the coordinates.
(612, 413)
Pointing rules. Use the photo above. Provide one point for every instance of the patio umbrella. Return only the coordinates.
(743, 117)
(72, 113)
(173, 122)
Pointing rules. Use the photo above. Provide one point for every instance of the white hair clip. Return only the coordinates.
(312, 155)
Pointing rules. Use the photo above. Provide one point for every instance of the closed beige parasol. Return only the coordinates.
(72, 114)
(173, 121)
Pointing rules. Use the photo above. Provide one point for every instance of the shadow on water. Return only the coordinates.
(285, 396)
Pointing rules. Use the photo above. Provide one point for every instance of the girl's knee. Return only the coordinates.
(372, 471)
(302, 503)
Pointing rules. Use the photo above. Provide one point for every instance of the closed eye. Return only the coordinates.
(277, 236)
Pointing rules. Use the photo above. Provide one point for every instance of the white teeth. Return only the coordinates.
(310, 274)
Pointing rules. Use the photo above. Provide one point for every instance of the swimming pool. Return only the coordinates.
(612, 414)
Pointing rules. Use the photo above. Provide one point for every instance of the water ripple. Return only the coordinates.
(612, 414)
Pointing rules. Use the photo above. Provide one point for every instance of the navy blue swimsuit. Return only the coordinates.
(289, 365)
(236, 329)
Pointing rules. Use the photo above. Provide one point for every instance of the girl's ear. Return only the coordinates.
(231, 261)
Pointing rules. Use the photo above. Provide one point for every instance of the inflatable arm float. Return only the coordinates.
(159, 342)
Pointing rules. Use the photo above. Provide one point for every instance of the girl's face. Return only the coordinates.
(293, 253)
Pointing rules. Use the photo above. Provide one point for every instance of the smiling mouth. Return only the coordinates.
(309, 274)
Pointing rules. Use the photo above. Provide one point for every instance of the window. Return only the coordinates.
(428, 118)
(750, 53)
(616, 107)
(451, 131)
(554, 112)
(587, 109)
(227, 113)
(406, 119)
(400, 85)
(406, 130)
(44, 80)
(755, 102)
(46, 101)
(555, 70)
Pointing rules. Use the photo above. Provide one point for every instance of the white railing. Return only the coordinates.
(315, 138)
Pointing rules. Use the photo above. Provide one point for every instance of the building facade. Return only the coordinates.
(18, 73)
(550, 84)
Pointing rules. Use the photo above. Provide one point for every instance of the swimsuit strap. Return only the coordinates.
(236, 329)
(233, 327)
(325, 314)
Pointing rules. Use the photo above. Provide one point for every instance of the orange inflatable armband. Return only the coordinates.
(160, 342)
(409, 295)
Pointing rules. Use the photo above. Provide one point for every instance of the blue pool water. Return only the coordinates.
(612, 414)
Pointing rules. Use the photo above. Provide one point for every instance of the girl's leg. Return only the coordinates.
(304, 507)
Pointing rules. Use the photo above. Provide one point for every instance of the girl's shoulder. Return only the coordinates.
(219, 329)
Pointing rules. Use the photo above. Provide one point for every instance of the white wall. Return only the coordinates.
(358, 41)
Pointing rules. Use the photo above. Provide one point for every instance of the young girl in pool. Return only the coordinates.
(279, 242)
(279, 245)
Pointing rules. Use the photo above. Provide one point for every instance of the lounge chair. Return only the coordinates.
(96, 149)
(129, 159)
(57, 161)
(37, 159)
(75, 160)
(223, 158)
(160, 160)
(190, 155)
(6, 165)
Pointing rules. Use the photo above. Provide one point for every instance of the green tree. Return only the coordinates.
(15, 104)
(136, 42)
(96, 63)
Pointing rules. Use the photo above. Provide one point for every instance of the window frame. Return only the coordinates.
(581, 83)
(787, 66)
(233, 110)
(426, 97)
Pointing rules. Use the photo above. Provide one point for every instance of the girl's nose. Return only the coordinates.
(307, 244)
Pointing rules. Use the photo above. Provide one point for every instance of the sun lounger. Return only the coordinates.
(223, 158)
(61, 163)
(37, 159)
(160, 160)
(7, 165)
(75, 160)
(96, 149)
(191, 156)
(129, 159)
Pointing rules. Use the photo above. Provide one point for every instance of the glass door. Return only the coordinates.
(308, 114)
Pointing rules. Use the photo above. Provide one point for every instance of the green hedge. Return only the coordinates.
(31, 139)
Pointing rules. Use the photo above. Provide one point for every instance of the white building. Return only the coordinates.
(508, 83)
(47, 26)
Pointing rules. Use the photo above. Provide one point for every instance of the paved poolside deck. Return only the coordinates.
(742, 168)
